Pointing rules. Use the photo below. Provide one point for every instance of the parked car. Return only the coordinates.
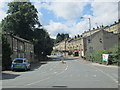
(59, 55)
(20, 64)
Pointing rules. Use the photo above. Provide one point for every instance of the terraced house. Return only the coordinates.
(21, 48)
(103, 37)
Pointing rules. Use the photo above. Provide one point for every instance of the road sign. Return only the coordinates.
(105, 57)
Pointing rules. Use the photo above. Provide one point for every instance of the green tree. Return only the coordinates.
(22, 18)
(61, 37)
(42, 43)
(6, 53)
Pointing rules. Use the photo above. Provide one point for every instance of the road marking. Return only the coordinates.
(94, 75)
(47, 78)
(55, 72)
(116, 81)
(66, 68)
(44, 78)
(37, 81)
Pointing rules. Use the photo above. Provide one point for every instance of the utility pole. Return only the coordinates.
(65, 47)
(90, 47)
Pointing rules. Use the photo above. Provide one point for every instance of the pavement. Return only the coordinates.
(97, 64)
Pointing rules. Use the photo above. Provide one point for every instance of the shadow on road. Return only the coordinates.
(9, 76)
(59, 86)
(63, 58)
(37, 65)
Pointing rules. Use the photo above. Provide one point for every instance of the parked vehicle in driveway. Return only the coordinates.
(20, 64)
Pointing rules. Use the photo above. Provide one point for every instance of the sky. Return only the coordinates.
(64, 16)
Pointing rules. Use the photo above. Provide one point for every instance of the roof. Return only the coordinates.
(18, 38)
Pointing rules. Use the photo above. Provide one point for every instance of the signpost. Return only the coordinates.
(105, 58)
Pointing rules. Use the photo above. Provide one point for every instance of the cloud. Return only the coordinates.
(73, 29)
(66, 10)
(104, 13)
(106, 0)
(3, 10)
(55, 27)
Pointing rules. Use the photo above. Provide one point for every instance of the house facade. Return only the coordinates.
(103, 37)
(21, 48)
(101, 40)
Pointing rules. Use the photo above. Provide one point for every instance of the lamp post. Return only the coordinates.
(90, 48)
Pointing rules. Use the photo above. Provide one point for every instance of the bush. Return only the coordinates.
(115, 52)
(6, 53)
(96, 56)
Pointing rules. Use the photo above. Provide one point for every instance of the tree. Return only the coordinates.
(6, 53)
(22, 18)
(61, 37)
(42, 43)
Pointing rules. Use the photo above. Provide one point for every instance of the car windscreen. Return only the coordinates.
(18, 61)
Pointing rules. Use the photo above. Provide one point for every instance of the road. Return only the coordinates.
(75, 73)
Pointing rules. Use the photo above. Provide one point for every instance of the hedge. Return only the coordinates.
(96, 56)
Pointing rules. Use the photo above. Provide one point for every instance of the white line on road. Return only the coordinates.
(46, 78)
(55, 72)
(116, 81)
(37, 81)
(94, 75)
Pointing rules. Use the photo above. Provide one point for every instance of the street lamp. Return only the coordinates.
(90, 48)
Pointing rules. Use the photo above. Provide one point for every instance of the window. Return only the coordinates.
(100, 40)
(89, 41)
(18, 61)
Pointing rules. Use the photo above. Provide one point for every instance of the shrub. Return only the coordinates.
(96, 56)
(6, 53)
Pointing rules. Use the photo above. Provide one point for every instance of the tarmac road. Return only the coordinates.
(75, 73)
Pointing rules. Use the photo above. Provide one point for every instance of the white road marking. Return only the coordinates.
(47, 78)
(64, 70)
(116, 81)
(55, 72)
(94, 75)
(37, 81)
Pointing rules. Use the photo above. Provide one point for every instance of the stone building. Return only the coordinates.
(61, 47)
(101, 40)
(103, 37)
(113, 28)
(21, 48)
(71, 47)
(75, 46)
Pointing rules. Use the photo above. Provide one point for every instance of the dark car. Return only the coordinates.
(20, 64)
